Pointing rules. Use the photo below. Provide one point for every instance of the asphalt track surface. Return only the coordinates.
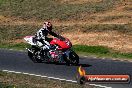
(18, 61)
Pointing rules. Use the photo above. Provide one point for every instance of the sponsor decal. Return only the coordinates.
(82, 77)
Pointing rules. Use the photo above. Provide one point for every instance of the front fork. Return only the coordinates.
(66, 55)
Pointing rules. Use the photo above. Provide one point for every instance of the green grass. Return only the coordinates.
(3, 85)
(99, 51)
(52, 9)
(9, 32)
(91, 49)
(1, 2)
(19, 46)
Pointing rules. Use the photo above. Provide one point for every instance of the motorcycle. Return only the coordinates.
(60, 51)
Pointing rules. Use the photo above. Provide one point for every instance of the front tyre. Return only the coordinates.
(72, 58)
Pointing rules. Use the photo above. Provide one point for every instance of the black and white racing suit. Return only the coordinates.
(42, 39)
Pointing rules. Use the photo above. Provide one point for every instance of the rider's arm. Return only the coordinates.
(53, 34)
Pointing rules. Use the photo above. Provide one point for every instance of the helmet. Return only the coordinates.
(47, 25)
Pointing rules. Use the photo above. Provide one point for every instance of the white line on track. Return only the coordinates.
(99, 86)
(85, 56)
(34, 74)
(130, 61)
(25, 73)
(103, 58)
(8, 71)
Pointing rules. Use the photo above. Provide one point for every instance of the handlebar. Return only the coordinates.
(61, 38)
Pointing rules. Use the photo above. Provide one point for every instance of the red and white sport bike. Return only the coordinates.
(60, 51)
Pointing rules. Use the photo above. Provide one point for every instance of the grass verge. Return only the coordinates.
(12, 32)
(98, 51)
(41, 9)
(13, 80)
(19, 46)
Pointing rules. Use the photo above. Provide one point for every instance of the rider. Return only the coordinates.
(41, 35)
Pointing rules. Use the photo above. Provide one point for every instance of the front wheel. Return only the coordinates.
(73, 58)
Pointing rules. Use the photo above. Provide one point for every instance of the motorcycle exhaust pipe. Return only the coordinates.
(29, 50)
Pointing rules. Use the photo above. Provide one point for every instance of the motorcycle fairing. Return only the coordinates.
(63, 44)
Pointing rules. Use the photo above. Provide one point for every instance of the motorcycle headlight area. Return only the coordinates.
(68, 43)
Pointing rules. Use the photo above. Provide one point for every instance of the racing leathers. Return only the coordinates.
(42, 39)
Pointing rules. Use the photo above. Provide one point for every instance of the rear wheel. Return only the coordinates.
(31, 56)
(38, 57)
(35, 56)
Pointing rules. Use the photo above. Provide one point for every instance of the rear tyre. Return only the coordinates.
(35, 56)
(31, 56)
(38, 57)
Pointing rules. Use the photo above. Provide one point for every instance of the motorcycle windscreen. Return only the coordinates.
(29, 39)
